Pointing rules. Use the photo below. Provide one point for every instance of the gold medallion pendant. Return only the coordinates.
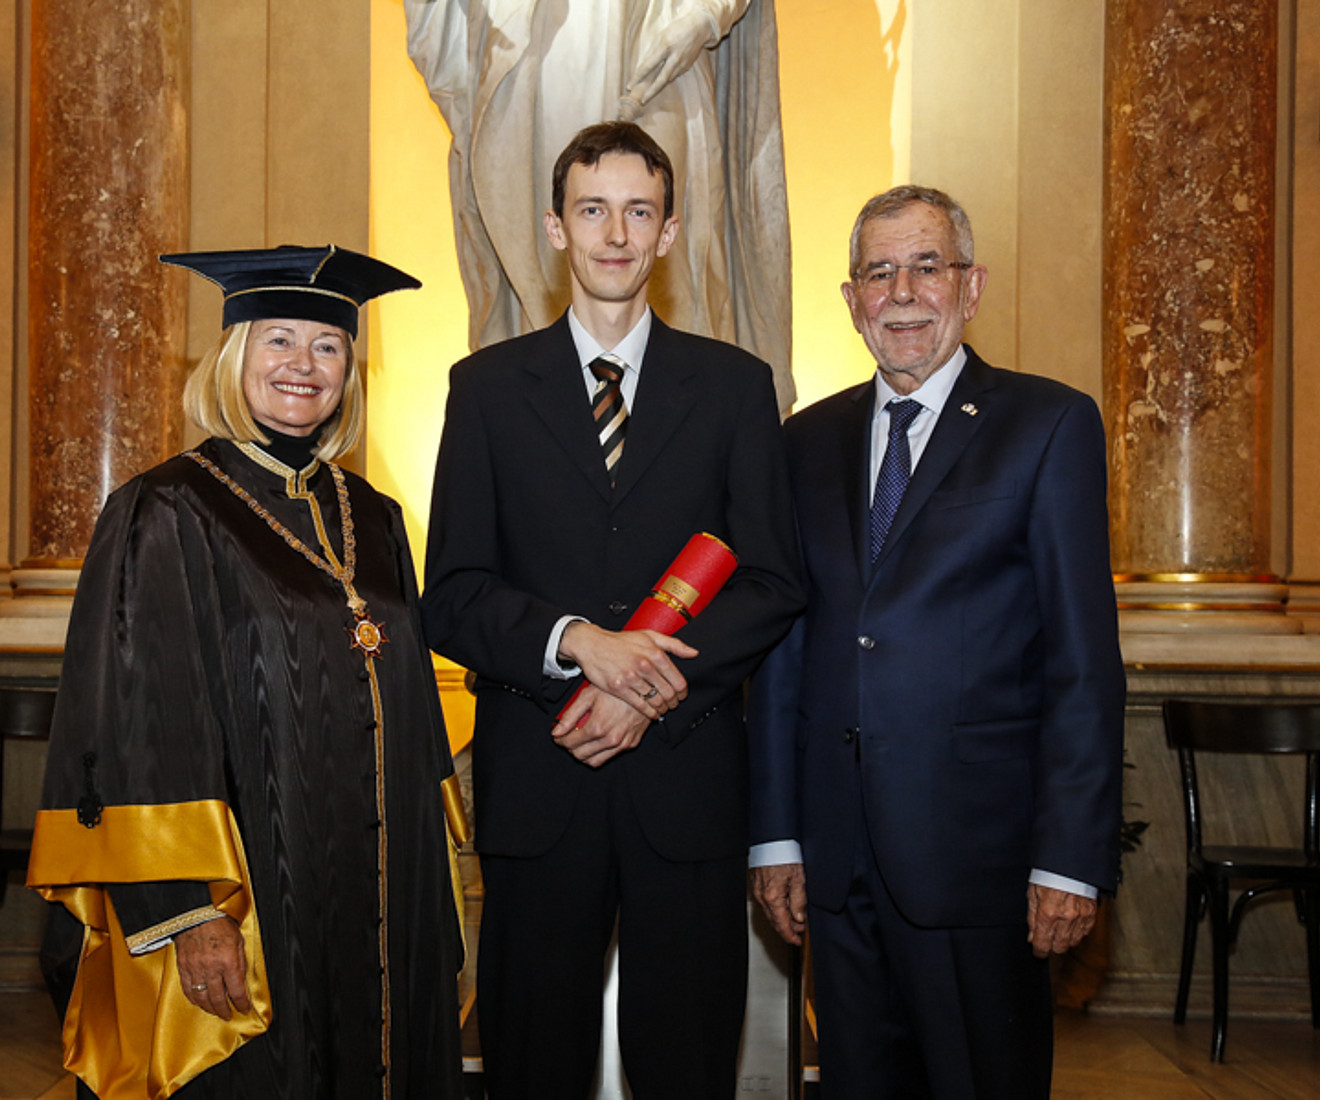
(367, 636)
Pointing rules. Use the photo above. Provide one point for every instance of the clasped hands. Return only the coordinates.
(632, 681)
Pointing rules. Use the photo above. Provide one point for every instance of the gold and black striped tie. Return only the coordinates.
(608, 409)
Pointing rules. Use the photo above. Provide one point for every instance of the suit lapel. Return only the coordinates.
(962, 416)
(855, 444)
(559, 397)
(666, 393)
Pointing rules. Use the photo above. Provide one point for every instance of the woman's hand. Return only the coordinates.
(213, 967)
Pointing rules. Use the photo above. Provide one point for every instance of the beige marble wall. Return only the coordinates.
(1007, 118)
(280, 138)
(966, 141)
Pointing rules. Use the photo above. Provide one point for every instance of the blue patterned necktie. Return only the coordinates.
(895, 470)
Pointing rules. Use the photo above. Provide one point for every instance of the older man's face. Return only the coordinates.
(906, 300)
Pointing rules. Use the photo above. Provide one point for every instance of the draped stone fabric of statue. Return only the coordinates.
(516, 79)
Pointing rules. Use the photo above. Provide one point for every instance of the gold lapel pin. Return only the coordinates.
(970, 409)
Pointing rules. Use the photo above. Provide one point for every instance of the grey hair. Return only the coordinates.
(897, 199)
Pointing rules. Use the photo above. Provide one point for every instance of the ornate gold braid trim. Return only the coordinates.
(172, 927)
(342, 573)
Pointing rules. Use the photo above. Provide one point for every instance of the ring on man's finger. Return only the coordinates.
(651, 694)
(200, 987)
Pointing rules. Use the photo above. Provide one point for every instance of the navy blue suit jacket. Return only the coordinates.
(963, 697)
(525, 528)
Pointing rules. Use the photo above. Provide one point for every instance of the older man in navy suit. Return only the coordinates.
(936, 747)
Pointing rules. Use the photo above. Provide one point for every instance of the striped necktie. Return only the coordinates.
(608, 410)
(895, 471)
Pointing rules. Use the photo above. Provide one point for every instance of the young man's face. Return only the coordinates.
(613, 228)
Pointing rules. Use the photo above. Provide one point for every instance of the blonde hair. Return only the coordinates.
(213, 398)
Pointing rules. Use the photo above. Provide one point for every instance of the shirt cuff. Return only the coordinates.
(774, 853)
(551, 665)
(152, 939)
(1060, 882)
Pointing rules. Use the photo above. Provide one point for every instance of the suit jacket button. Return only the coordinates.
(618, 608)
(849, 736)
(866, 641)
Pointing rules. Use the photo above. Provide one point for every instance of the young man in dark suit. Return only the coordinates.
(575, 464)
(937, 745)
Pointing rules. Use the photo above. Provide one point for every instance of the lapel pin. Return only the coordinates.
(970, 409)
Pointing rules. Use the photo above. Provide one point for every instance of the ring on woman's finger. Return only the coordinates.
(200, 987)
(651, 694)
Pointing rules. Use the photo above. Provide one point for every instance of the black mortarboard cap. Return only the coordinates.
(326, 284)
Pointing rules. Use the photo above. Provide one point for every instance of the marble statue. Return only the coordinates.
(516, 79)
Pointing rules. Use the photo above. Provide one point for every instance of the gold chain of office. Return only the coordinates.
(366, 634)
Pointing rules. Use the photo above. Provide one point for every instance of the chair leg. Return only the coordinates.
(1310, 904)
(1191, 920)
(1218, 889)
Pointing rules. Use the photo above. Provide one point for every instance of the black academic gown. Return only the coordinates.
(210, 669)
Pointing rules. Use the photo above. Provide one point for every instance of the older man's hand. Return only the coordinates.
(213, 967)
(1057, 920)
(782, 891)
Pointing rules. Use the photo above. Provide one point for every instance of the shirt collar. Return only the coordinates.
(933, 393)
(631, 349)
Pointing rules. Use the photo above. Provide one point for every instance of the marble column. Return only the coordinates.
(109, 192)
(1190, 100)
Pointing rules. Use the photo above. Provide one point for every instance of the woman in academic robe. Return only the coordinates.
(243, 821)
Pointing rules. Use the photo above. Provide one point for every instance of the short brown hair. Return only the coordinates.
(213, 398)
(893, 202)
(589, 145)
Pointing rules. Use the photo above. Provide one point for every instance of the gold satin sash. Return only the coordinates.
(130, 1033)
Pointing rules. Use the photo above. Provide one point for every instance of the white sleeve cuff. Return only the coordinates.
(774, 852)
(1060, 882)
(551, 666)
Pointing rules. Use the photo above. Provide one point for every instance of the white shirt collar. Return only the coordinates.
(631, 349)
(933, 393)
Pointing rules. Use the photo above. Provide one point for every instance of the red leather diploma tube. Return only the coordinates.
(682, 593)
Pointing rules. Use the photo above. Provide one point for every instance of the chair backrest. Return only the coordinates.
(1192, 727)
(1242, 727)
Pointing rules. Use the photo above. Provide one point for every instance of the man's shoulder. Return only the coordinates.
(706, 350)
(822, 415)
(517, 350)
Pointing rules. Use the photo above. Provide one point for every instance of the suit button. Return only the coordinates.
(866, 641)
(618, 608)
(849, 736)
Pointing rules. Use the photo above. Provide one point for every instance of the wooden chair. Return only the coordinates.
(1244, 728)
(25, 712)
